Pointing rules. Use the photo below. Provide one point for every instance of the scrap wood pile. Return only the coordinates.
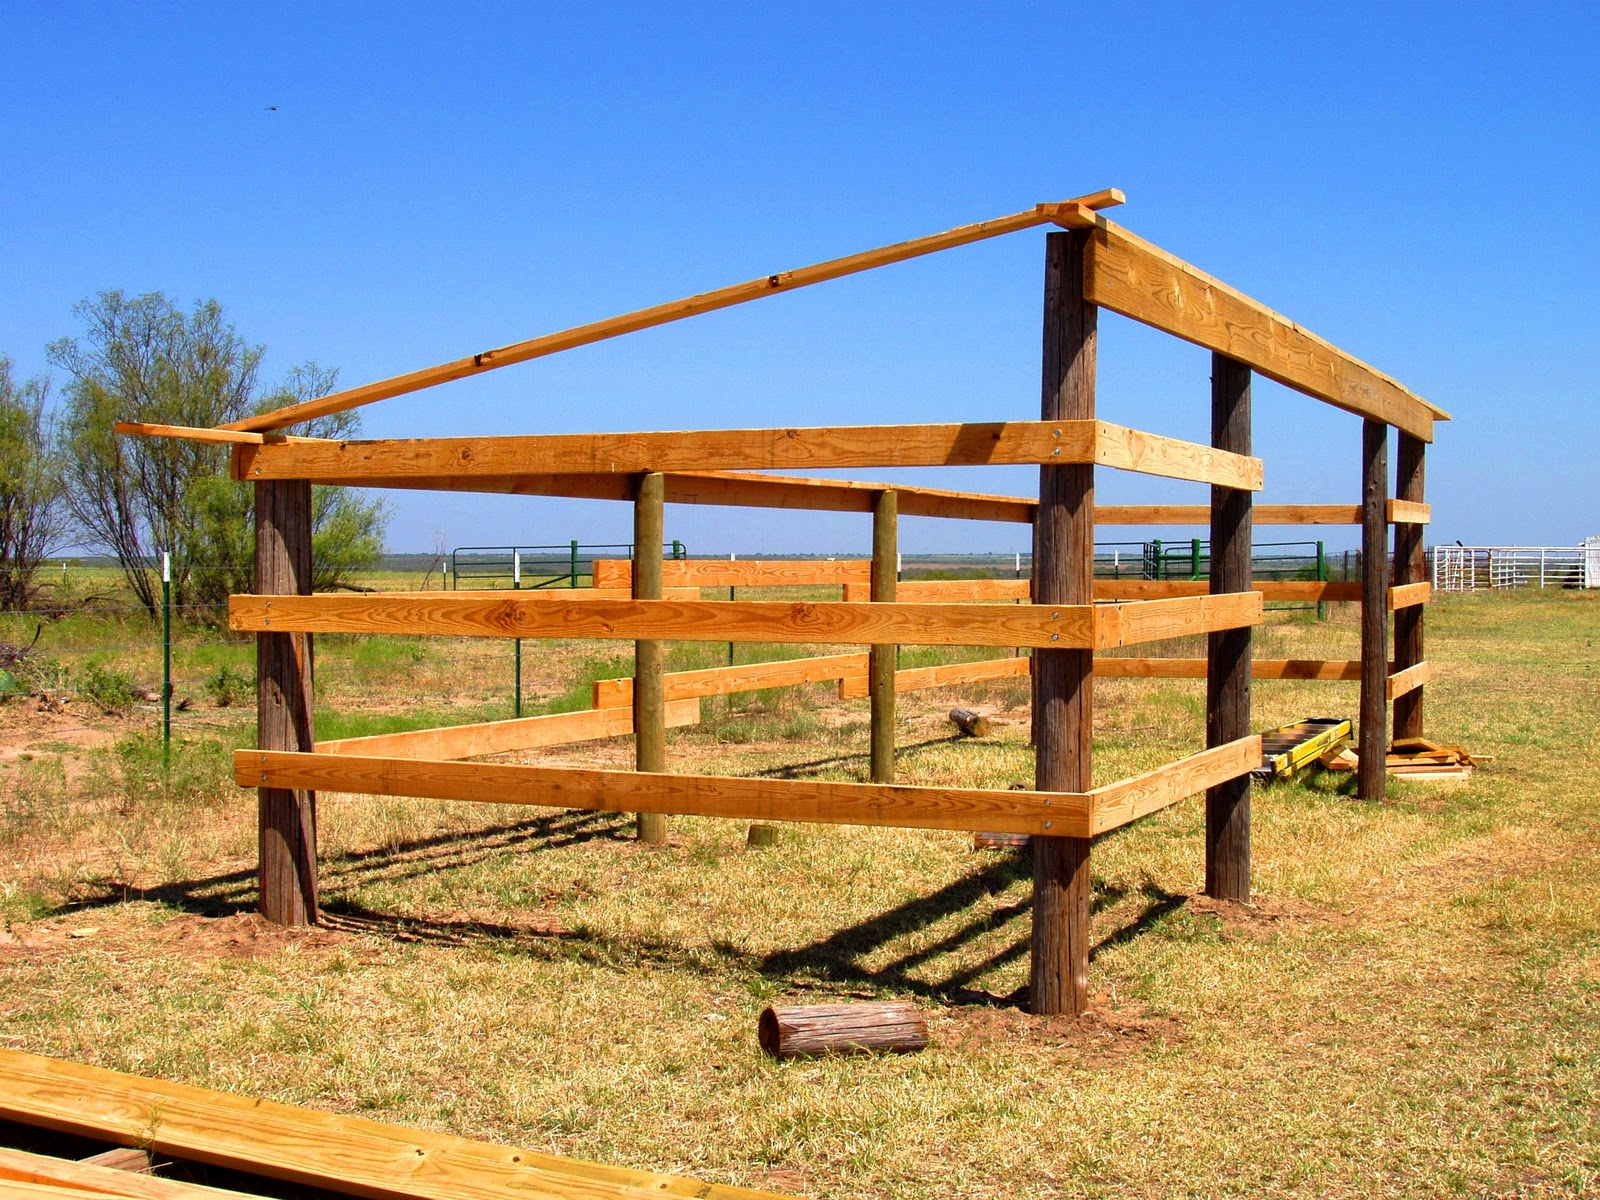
(1416, 758)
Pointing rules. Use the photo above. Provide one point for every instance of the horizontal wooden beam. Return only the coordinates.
(308, 1147)
(1156, 620)
(513, 614)
(715, 572)
(677, 310)
(1400, 512)
(1409, 680)
(720, 450)
(1128, 275)
(518, 615)
(1120, 803)
(1108, 667)
(1409, 595)
(504, 737)
(62, 1179)
(888, 805)
(741, 677)
(913, 679)
(189, 433)
(949, 590)
(1409, 512)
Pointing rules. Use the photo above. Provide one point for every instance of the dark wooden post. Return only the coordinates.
(1228, 650)
(1063, 680)
(287, 827)
(882, 660)
(649, 698)
(1373, 745)
(1410, 566)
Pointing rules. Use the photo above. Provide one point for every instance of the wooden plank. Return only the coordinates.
(1408, 680)
(512, 614)
(1155, 620)
(1130, 276)
(1409, 595)
(308, 1147)
(888, 805)
(504, 737)
(1152, 454)
(743, 677)
(590, 454)
(912, 679)
(67, 1180)
(285, 703)
(711, 572)
(1119, 803)
(1195, 668)
(1409, 512)
(1270, 589)
(949, 591)
(675, 310)
(221, 437)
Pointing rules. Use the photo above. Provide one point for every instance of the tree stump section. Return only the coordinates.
(970, 724)
(760, 836)
(794, 1030)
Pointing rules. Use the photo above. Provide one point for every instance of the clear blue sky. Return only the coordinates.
(1416, 183)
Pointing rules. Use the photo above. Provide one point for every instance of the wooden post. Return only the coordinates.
(1374, 732)
(1228, 650)
(1410, 566)
(1063, 680)
(649, 694)
(287, 827)
(882, 660)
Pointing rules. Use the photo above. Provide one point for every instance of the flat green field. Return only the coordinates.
(1410, 1006)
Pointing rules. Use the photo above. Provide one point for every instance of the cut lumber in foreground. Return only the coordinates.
(307, 1146)
(793, 1030)
(94, 1177)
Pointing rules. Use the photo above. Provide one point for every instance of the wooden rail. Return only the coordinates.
(513, 615)
(819, 448)
(309, 1147)
(714, 572)
(742, 677)
(1054, 814)
(504, 737)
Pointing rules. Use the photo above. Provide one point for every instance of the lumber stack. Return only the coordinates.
(1416, 758)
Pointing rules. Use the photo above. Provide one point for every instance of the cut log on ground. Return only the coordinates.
(792, 1030)
(970, 723)
(761, 835)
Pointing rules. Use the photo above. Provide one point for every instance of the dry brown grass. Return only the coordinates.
(1410, 1007)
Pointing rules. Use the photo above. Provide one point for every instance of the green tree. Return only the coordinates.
(32, 509)
(143, 359)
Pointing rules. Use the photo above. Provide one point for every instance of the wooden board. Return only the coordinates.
(1155, 620)
(1408, 680)
(590, 454)
(309, 1147)
(741, 677)
(935, 590)
(1130, 276)
(712, 572)
(189, 433)
(1072, 211)
(1195, 668)
(889, 805)
(948, 591)
(1409, 512)
(512, 614)
(504, 737)
(1126, 801)
(1410, 595)
(853, 687)
(62, 1179)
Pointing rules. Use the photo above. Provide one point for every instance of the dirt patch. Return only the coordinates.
(1106, 1033)
(1265, 917)
(196, 938)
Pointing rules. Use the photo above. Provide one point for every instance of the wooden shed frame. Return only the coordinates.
(1090, 263)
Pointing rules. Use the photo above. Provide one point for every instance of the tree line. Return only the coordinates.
(66, 479)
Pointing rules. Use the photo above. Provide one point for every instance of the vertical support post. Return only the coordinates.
(1194, 558)
(882, 660)
(287, 827)
(649, 699)
(573, 572)
(1063, 680)
(1228, 650)
(166, 659)
(1410, 566)
(516, 586)
(1374, 734)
